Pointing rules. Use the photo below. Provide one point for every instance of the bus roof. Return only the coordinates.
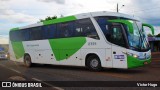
(75, 17)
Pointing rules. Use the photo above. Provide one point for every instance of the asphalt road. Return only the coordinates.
(12, 71)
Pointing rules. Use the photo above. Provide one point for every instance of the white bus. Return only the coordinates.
(96, 40)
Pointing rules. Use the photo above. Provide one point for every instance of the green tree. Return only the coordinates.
(158, 35)
(48, 18)
(149, 35)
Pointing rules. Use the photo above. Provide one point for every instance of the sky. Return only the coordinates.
(17, 13)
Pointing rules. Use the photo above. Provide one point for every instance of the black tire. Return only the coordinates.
(93, 63)
(27, 61)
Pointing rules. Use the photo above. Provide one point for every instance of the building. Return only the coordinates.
(154, 43)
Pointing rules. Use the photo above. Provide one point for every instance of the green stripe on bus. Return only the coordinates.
(59, 20)
(65, 47)
(13, 29)
(18, 49)
(127, 22)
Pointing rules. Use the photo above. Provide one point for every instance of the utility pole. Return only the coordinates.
(117, 8)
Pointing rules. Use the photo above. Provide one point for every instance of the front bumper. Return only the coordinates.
(135, 62)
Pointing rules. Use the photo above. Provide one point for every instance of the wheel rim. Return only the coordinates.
(94, 63)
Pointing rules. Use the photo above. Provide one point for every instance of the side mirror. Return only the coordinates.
(149, 26)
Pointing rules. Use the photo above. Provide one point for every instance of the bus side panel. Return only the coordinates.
(74, 60)
(119, 57)
(13, 54)
(108, 58)
(67, 50)
(40, 52)
(97, 47)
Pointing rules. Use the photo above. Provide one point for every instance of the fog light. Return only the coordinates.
(145, 63)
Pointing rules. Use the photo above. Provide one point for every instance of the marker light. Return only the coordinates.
(145, 63)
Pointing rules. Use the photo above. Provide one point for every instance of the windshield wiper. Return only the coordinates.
(135, 48)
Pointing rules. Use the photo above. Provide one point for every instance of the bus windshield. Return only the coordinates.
(137, 40)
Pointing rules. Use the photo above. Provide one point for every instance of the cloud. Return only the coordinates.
(14, 17)
(4, 39)
(157, 29)
(57, 1)
(9, 15)
(4, 0)
(18, 12)
(10, 18)
(148, 11)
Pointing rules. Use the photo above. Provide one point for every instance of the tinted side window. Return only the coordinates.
(26, 35)
(16, 35)
(65, 30)
(49, 31)
(117, 35)
(112, 31)
(36, 33)
(85, 27)
(12, 35)
(105, 26)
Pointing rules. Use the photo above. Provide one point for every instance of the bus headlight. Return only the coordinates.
(131, 54)
(6, 55)
(135, 56)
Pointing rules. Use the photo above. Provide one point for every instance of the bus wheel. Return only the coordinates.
(93, 63)
(27, 61)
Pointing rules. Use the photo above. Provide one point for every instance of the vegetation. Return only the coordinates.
(48, 18)
(158, 35)
(150, 35)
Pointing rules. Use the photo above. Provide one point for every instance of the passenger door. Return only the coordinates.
(118, 46)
